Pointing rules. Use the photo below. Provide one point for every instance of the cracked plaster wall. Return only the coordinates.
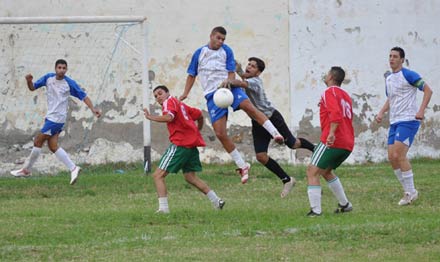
(299, 41)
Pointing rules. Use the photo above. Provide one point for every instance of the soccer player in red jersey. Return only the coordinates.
(182, 154)
(336, 143)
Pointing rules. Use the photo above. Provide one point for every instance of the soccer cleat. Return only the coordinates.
(288, 187)
(162, 211)
(220, 204)
(313, 214)
(244, 173)
(344, 209)
(21, 173)
(408, 198)
(279, 139)
(74, 175)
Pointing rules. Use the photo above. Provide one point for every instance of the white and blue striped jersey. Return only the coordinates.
(401, 90)
(212, 66)
(58, 92)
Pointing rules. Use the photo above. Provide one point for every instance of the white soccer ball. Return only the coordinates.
(223, 97)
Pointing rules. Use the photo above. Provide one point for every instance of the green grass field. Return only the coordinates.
(109, 216)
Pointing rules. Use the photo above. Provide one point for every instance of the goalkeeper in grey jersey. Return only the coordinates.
(253, 85)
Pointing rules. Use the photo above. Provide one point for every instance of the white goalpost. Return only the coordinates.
(107, 56)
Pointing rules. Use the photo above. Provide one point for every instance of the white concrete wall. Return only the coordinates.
(299, 40)
(358, 35)
(176, 30)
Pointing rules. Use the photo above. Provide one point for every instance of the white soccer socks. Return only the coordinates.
(64, 158)
(398, 174)
(314, 193)
(163, 205)
(237, 158)
(35, 153)
(408, 181)
(337, 189)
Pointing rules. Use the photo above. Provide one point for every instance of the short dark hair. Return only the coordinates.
(338, 74)
(400, 50)
(164, 88)
(61, 62)
(260, 63)
(219, 29)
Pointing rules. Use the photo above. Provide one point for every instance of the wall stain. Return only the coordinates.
(356, 29)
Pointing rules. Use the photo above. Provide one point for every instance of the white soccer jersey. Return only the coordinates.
(212, 66)
(58, 92)
(401, 89)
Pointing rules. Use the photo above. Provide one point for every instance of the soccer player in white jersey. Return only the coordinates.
(214, 63)
(401, 90)
(58, 89)
(253, 85)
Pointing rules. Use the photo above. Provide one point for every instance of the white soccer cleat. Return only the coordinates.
(244, 173)
(408, 198)
(74, 175)
(288, 187)
(21, 173)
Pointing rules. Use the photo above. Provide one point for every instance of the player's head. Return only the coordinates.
(161, 93)
(60, 68)
(217, 37)
(335, 76)
(255, 66)
(396, 59)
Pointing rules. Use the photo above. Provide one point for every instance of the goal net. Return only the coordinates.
(105, 55)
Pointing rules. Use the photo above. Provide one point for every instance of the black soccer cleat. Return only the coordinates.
(344, 209)
(313, 214)
(220, 204)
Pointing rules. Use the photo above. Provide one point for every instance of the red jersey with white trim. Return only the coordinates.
(182, 129)
(336, 107)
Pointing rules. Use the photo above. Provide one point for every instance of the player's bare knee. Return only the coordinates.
(221, 134)
(189, 179)
(38, 141)
(159, 174)
(312, 171)
(394, 157)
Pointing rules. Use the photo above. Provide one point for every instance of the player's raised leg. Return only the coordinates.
(219, 127)
(261, 119)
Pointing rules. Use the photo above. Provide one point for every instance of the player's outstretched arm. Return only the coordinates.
(235, 82)
(384, 109)
(188, 85)
(164, 118)
(427, 94)
(89, 103)
(29, 82)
